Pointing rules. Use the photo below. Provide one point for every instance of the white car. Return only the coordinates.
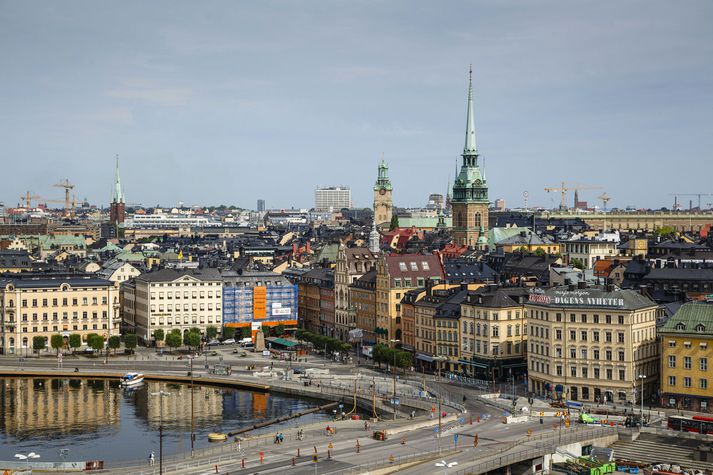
(229, 341)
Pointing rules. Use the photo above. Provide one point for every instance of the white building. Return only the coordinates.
(118, 271)
(588, 251)
(332, 198)
(173, 299)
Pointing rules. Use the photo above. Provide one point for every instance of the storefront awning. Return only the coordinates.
(426, 358)
(473, 363)
(516, 365)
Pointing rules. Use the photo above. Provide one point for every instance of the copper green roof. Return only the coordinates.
(691, 319)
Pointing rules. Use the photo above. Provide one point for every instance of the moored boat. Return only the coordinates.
(132, 379)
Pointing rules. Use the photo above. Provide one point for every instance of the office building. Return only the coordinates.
(260, 206)
(332, 198)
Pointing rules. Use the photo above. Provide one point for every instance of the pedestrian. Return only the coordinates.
(152, 458)
(282, 438)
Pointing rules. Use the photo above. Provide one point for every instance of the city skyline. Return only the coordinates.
(231, 104)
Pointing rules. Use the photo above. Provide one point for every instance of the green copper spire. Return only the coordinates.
(382, 181)
(470, 146)
(118, 196)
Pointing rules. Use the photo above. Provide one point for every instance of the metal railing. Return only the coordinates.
(394, 461)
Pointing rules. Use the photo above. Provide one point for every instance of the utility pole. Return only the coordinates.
(161, 394)
(193, 421)
(440, 428)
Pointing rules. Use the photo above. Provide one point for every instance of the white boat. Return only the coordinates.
(132, 379)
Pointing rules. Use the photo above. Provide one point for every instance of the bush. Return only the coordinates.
(38, 343)
(57, 342)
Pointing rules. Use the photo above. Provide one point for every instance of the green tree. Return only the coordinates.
(130, 341)
(246, 332)
(95, 342)
(211, 332)
(38, 343)
(173, 340)
(75, 341)
(394, 223)
(666, 232)
(57, 342)
(228, 332)
(158, 334)
(114, 342)
(192, 339)
(279, 329)
(577, 263)
(540, 252)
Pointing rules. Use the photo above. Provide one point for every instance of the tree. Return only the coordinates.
(114, 342)
(95, 342)
(540, 252)
(192, 339)
(173, 340)
(279, 329)
(158, 334)
(666, 232)
(130, 341)
(245, 332)
(394, 223)
(228, 332)
(75, 341)
(211, 332)
(57, 342)
(267, 331)
(576, 262)
(38, 343)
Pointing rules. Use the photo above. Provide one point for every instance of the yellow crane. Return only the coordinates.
(28, 199)
(565, 187)
(67, 188)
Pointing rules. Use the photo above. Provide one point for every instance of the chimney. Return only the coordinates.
(429, 287)
(567, 281)
(571, 287)
(294, 249)
(308, 247)
(581, 284)
(464, 285)
(643, 290)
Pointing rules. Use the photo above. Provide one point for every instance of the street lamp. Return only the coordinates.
(27, 457)
(193, 423)
(642, 377)
(161, 394)
(394, 371)
(446, 465)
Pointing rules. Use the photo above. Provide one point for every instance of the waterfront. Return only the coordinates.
(94, 419)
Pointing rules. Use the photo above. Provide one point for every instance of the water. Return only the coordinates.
(98, 420)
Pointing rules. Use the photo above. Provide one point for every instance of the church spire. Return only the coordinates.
(118, 196)
(470, 146)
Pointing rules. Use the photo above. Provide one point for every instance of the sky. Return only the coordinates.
(225, 102)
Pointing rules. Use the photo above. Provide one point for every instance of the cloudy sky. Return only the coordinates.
(229, 101)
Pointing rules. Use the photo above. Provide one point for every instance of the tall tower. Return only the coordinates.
(383, 206)
(470, 190)
(117, 209)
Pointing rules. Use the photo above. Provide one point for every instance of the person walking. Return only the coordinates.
(152, 458)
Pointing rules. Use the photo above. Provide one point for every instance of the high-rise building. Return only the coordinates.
(260, 206)
(332, 198)
(383, 205)
(470, 190)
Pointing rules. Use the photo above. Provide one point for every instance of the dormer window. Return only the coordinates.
(700, 328)
(680, 326)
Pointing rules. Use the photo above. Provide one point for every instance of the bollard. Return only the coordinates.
(471, 420)
(315, 449)
(262, 455)
(216, 468)
(329, 454)
(298, 451)
(477, 419)
(293, 461)
(242, 463)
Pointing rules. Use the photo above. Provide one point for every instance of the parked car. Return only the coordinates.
(213, 342)
(229, 341)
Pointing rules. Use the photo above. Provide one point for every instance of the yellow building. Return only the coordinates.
(46, 304)
(591, 343)
(528, 241)
(686, 351)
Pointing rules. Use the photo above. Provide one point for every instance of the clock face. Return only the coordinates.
(478, 182)
(382, 191)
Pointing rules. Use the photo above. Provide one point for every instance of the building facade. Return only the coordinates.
(351, 264)
(591, 343)
(332, 198)
(172, 299)
(470, 191)
(383, 200)
(588, 251)
(48, 304)
(686, 351)
(312, 285)
(362, 295)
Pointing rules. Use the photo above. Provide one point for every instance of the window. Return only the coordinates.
(672, 380)
(671, 361)
(585, 372)
(608, 354)
(573, 371)
(584, 318)
(608, 337)
(558, 352)
(559, 371)
(596, 318)
(596, 373)
(573, 335)
(687, 362)
(621, 319)
(558, 334)
(703, 363)
(686, 382)
(584, 335)
(583, 352)
(572, 353)
(414, 266)
(609, 373)
(621, 375)
(595, 335)
(703, 383)
(424, 265)
(608, 319)
(572, 318)
(596, 354)
(621, 355)
(672, 344)
(620, 337)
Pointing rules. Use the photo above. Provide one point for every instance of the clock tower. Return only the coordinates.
(383, 206)
(470, 190)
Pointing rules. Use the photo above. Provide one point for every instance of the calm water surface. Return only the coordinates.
(98, 420)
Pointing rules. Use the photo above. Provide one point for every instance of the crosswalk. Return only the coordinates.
(651, 448)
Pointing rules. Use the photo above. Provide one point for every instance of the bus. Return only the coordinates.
(697, 424)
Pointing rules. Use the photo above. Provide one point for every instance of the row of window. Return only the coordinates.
(55, 328)
(476, 313)
(687, 382)
(186, 307)
(575, 372)
(688, 362)
(55, 302)
(185, 321)
(186, 294)
(476, 329)
(65, 316)
(474, 346)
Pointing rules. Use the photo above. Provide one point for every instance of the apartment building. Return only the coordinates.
(43, 304)
(171, 299)
(315, 309)
(494, 332)
(686, 351)
(588, 251)
(591, 343)
(362, 295)
(351, 264)
(395, 275)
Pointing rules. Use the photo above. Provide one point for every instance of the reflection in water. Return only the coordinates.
(97, 420)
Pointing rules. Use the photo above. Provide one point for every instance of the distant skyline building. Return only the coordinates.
(435, 201)
(260, 206)
(500, 204)
(332, 198)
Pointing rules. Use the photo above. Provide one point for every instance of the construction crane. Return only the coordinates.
(28, 199)
(565, 187)
(67, 188)
(605, 199)
(676, 195)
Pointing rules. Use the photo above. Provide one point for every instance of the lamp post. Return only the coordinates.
(642, 377)
(161, 394)
(26, 457)
(394, 371)
(446, 465)
(193, 422)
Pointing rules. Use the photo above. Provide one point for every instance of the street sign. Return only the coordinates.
(315, 458)
(455, 438)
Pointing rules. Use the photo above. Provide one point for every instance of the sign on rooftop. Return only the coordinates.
(578, 297)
